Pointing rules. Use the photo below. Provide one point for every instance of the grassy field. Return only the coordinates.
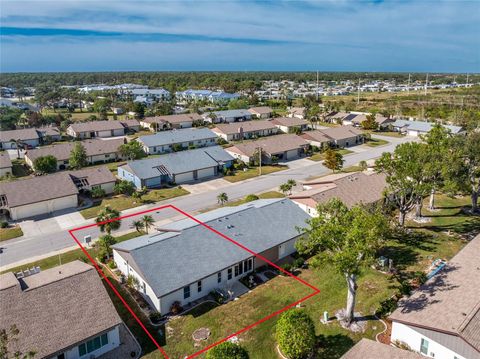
(79, 116)
(122, 202)
(69, 256)
(374, 142)
(253, 172)
(321, 155)
(9, 233)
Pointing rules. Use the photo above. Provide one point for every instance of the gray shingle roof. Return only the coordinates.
(184, 117)
(176, 136)
(342, 132)
(423, 126)
(179, 162)
(57, 308)
(246, 126)
(22, 135)
(94, 175)
(289, 121)
(196, 252)
(232, 113)
(96, 126)
(271, 145)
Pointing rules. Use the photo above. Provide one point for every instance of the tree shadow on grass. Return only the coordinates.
(470, 225)
(333, 346)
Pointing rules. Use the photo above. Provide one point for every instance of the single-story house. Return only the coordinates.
(94, 129)
(46, 194)
(282, 147)
(177, 167)
(131, 125)
(371, 349)
(336, 116)
(98, 151)
(441, 319)
(167, 141)
(356, 119)
(316, 138)
(261, 112)
(416, 128)
(289, 124)
(227, 116)
(298, 112)
(63, 313)
(159, 123)
(245, 130)
(49, 134)
(350, 188)
(187, 261)
(28, 137)
(5, 164)
(344, 136)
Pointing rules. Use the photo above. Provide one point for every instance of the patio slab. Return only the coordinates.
(128, 345)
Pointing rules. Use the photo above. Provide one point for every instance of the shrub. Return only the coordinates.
(132, 282)
(295, 334)
(217, 297)
(288, 267)
(98, 192)
(112, 265)
(221, 141)
(3, 224)
(251, 197)
(386, 307)
(176, 308)
(45, 164)
(227, 350)
(124, 187)
(155, 317)
(298, 263)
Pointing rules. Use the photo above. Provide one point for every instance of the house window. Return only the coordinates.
(199, 286)
(186, 292)
(219, 277)
(250, 264)
(236, 270)
(245, 266)
(424, 346)
(93, 344)
(229, 274)
(107, 155)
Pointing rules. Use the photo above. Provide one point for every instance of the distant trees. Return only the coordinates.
(295, 334)
(78, 156)
(45, 164)
(333, 160)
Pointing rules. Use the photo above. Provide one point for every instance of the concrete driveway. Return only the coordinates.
(51, 223)
(206, 186)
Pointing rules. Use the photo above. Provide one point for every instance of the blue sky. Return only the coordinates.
(326, 35)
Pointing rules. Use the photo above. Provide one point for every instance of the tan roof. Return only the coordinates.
(130, 123)
(450, 301)
(96, 126)
(271, 145)
(61, 151)
(289, 121)
(184, 117)
(49, 131)
(339, 114)
(246, 126)
(56, 309)
(94, 175)
(369, 349)
(352, 189)
(341, 132)
(317, 136)
(37, 189)
(296, 110)
(22, 135)
(261, 110)
(5, 161)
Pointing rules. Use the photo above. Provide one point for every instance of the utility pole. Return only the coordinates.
(426, 84)
(259, 161)
(467, 80)
(358, 92)
(408, 86)
(317, 86)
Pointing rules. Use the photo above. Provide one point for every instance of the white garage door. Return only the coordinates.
(184, 177)
(292, 154)
(207, 172)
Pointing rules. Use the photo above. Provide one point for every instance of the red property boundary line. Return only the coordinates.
(99, 270)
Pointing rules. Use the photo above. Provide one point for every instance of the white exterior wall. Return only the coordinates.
(11, 145)
(238, 156)
(309, 210)
(103, 158)
(413, 339)
(287, 248)
(113, 342)
(412, 133)
(35, 209)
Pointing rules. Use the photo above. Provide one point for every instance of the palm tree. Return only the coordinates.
(222, 198)
(147, 222)
(291, 183)
(139, 225)
(284, 188)
(104, 244)
(363, 165)
(107, 220)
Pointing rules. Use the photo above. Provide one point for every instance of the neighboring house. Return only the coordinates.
(441, 319)
(46, 194)
(167, 122)
(281, 147)
(5, 164)
(298, 112)
(356, 119)
(316, 138)
(63, 313)
(245, 130)
(208, 95)
(158, 94)
(186, 261)
(227, 116)
(28, 137)
(177, 167)
(49, 134)
(168, 141)
(350, 188)
(370, 349)
(94, 129)
(130, 125)
(261, 112)
(344, 136)
(336, 116)
(98, 151)
(416, 128)
(289, 124)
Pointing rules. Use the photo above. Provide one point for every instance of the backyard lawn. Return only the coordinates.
(10, 232)
(320, 156)
(253, 172)
(122, 202)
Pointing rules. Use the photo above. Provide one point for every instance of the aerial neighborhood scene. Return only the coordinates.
(239, 179)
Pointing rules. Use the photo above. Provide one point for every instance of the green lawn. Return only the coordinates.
(320, 156)
(388, 133)
(253, 172)
(9, 233)
(265, 195)
(69, 256)
(122, 202)
(374, 142)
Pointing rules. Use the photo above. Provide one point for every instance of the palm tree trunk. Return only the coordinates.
(431, 204)
(352, 290)
(401, 218)
(418, 207)
(474, 197)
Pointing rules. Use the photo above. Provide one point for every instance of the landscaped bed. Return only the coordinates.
(375, 142)
(321, 155)
(254, 172)
(10, 232)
